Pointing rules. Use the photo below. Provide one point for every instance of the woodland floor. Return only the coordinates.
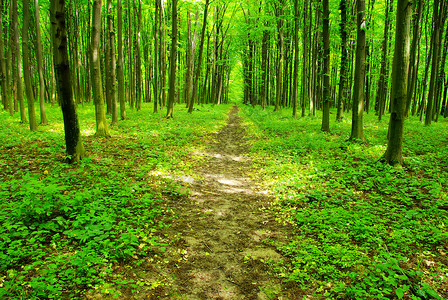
(218, 250)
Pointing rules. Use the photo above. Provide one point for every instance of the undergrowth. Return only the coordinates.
(71, 231)
(362, 229)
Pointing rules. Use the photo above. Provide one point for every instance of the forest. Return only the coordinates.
(211, 149)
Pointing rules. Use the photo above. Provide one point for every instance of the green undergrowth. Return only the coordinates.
(71, 231)
(362, 229)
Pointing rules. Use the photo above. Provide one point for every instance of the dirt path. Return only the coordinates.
(219, 252)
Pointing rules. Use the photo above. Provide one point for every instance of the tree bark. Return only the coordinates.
(6, 91)
(75, 149)
(17, 65)
(43, 114)
(173, 61)
(400, 68)
(100, 112)
(120, 66)
(137, 55)
(305, 60)
(112, 62)
(344, 62)
(199, 60)
(326, 67)
(357, 132)
(296, 59)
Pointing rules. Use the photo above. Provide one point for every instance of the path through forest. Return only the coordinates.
(219, 252)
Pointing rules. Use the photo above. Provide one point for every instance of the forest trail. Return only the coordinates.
(219, 251)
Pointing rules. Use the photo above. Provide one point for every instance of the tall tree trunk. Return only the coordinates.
(120, 66)
(357, 132)
(112, 62)
(344, 62)
(280, 55)
(326, 67)
(264, 69)
(296, 59)
(400, 68)
(100, 112)
(40, 69)
(138, 60)
(6, 92)
(413, 63)
(384, 73)
(305, 60)
(199, 60)
(17, 65)
(26, 65)
(75, 150)
(438, 17)
(173, 61)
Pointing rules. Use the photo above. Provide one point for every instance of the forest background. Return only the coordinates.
(318, 60)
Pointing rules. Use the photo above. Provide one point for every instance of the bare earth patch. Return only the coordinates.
(218, 250)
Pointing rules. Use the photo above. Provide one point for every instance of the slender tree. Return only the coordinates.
(173, 61)
(400, 68)
(95, 69)
(197, 71)
(112, 62)
(344, 62)
(120, 66)
(296, 58)
(40, 68)
(326, 67)
(5, 89)
(17, 64)
(360, 75)
(75, 149)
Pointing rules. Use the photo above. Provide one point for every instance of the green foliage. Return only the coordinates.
(363, 230)
(64, 229)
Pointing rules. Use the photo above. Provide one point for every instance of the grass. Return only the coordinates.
(362, 229)
(70, 230)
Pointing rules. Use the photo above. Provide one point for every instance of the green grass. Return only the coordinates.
(64, 229)
(362, 229)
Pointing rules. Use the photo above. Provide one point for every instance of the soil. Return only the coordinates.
(219, 248)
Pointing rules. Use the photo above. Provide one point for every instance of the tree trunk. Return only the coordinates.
(384, 73)
(17, 65)
(344, 62)
(100, 112)
(26, 65)
(438, 16)
(75, 150)
(305, 60)
(326, 67)
(6, 92)
(137, 55)
(280, 55)
(413, 64)
(296, 59)
(112, 63)
(173, 61)
(120, 66)
(43, 114)
(199, 61)
(360, 75)
(400, 66)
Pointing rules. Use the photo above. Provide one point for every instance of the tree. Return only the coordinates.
(357, 132)
(40, 68)
(17, 65)
(296, 58)
(400, 69)
(75, 149)
(26, 65)
(197, 71)
(344, 62)
(173, 61)
(326, 67)
(95, 69)
(6, 93)
(120, 65)
(112, 63)
(439, 11)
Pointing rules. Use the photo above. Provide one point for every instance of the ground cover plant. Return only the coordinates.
(362, 229)
(67, 229)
